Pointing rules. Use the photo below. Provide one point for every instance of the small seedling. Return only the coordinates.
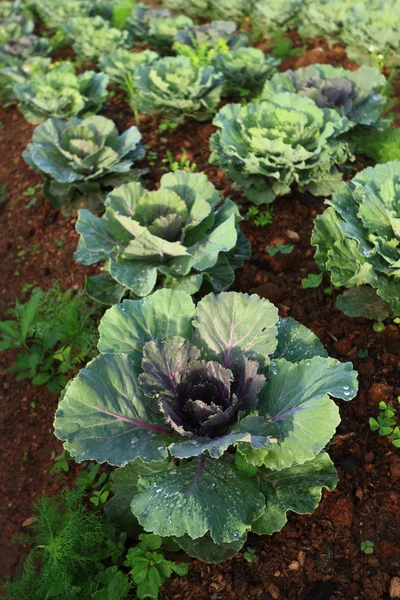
(149, 568)
(282, 46)
(282, 248)
(61, 462)
(100, 487)
(59, 242)
(31, 193)
(181, 164)
(367, 547)
(362, 353)
(151, 155)
(251, 556)
(311, 281)
(169, 124)
(387, 423)
(260, 219)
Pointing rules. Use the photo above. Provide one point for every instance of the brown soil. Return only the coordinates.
(315, 557)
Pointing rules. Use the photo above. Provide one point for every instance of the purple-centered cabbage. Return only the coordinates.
(218, 415)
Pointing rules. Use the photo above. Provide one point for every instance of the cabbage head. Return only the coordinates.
(358, 242)
(218, 416)
(82, 158)
(54, 13)
(354, 94)
(323, 18)
(18, 50)
(174, 237)
(14, 23)
(156, 27)
(174, 87)
(231, 9)
(192, 8)
(211, 35)
(244, 69)
(60, 93)
(121, 65)
(94, 43)
(373, 34)
(269, 16)
(267, 147)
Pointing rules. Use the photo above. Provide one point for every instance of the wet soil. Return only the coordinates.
(314, 557)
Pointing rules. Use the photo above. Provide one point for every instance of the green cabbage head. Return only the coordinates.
(175, 87)
(244, 69)
(218, 416)
(82, 158)
(358, 242)
(192, 8)
(267, 147)
(60, 93)
(121, 65)
(174, 236)
(156, 27)
(269, 16)
(354, 94)
(323, 18)
(94, 43)
(54, 13)
(373, 33)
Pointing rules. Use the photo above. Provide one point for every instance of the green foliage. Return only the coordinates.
(95, 42)
(357, 240)
(244, 69)
(271, 15)
(382, 147)
(121, 12)
(120, 66)
(54, 13)
(323, 18)
(54, 331)
(14, 22)
(174, 87)
(387, 422)
(16, 51)
(149, 568)
(367, 547)
(266, 147)
(251, 556)
(260, 218)
(155, 27)
(207, 451)
(282, 248)
(354, 94)
(172, 237)
(178, 164)
(213, 35)
(202, 54)
(281, 46)
(71, 556)
(81, 159)
(312, 280)
(60, 93)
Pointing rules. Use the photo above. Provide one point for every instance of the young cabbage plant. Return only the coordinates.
(212, 34)
(60, 93)
(218, 415)
(83, 159)
(54, 13)
(174, 87)
(121, 65)
(231, 9)
(354, 94)
(267, 147)
(244, 70)
(358, 242)
(156, 27)
(14, 22)
(15, 52)
(94, 43)
(373, 34)
(323, 18)
(269, 16)
(174, 237)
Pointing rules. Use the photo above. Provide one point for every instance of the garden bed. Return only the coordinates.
(314, 557)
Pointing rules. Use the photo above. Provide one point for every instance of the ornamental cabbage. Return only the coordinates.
(354, 94)
(54, 13)
(373, 33)
(323, 18)
(18, 50)
(173, 236)
(94, 43)
(219, 416)
(156, 27)
(267, 147)
(244, 69)
(60, 93)
(175, 87)
(271, 15)
(121, 65)
(81, 158)
(211, 35)
(358, 242)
